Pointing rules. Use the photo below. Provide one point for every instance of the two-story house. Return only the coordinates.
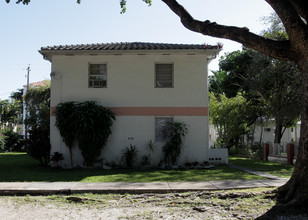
(145, 84)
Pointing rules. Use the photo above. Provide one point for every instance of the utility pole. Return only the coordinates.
(25, 104)
(28, 73)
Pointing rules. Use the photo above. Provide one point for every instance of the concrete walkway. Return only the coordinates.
(44, 188)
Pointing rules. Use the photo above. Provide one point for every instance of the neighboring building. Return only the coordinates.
(266, 133)
(144, 84)
(213, 136)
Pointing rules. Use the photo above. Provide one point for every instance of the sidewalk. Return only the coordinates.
(45, 188)
(258, 173)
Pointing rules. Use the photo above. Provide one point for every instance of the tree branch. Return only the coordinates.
(277, 49)
(301, 6)
(290, 17)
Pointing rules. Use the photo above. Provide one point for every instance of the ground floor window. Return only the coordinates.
(161, 128)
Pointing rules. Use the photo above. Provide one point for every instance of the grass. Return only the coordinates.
(19, 167)
(227, 204)
(277, 169)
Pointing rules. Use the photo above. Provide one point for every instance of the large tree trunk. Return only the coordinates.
(295, 191)
(278, 133)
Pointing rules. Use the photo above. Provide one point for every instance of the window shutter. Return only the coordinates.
(164, 75)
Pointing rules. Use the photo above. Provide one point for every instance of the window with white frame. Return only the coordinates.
(97, 75)
(163, 75)
(162, 128)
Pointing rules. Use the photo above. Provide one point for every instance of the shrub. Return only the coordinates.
(13, 140)
(239, 150)
(87, 123)
(56, 158)
(38, 122)
(38, 145)
(145, 160)
(172, 149)
(150, 148)
(129, 155)
(2, 142)
(255, 152)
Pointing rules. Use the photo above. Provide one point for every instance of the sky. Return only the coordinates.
(27, 28)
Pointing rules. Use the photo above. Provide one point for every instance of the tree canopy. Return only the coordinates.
(231, 117)
(272, 85)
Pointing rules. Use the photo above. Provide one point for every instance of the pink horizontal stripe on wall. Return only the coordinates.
(52, 111)
(160, 111)
(157, 111)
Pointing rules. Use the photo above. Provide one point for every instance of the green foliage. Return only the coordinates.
(66, 115)
(255, 152)
(38, 106)
(13, 140)
(276, 29)
(145, 160)
(272, 86)
(10, 112)
(232, 71)
(38, 122)
(38, 144)
(2, 142)
(123, 4)
(57, 156)
(25, 2)
(277, 84)
(87, 123)
(231, 116)
(176, 133)
(17, 101)
(129, 155)
(150, 148)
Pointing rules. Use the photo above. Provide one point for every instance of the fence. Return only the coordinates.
(282, 152)
(278, 150)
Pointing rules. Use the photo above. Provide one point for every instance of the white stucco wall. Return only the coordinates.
(218, 156)
(130, 83)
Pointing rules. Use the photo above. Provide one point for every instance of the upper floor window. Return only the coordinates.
(163, 75)
(97, 75)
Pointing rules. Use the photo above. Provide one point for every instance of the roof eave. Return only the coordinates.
(47, 54)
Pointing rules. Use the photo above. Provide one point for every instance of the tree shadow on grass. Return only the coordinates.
(22, 168)
(274, 168)
(282, 212)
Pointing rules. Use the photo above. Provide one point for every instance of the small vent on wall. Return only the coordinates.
(214, 158)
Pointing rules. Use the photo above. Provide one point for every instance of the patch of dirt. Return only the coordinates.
(245, 204)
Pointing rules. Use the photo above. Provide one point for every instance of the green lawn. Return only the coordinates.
(277, 169)
(20, 167)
